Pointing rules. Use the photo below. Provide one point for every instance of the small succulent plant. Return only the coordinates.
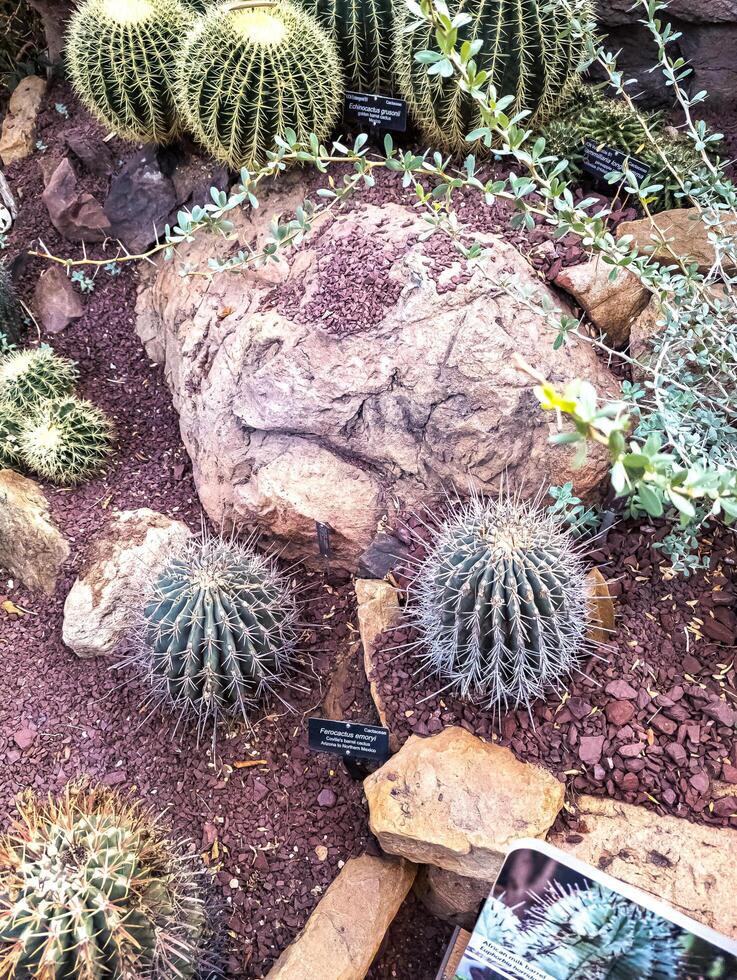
(501, 603)
(527, 48)
(364, 31)
(218, 630)
(246, 76)
(121, 58)
(12, 317)
(92, 889)
(31, 376)
(65, 440)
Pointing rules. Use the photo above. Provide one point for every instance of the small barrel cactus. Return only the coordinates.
(501, 603)
(30, 376)
(527, 49)
(121, 58)
(91, 889)
(65, 440)
(12, 317)
(10, 421)
(247, 75)
(218, 629)
(364, 31)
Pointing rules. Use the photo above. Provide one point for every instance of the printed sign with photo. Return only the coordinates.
(551, 917)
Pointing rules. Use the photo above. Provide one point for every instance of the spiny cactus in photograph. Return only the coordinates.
(92, 889)
(10, 420)
(12, 317)
(121, 58)
(247, 75)
(31, 376)
(364, 31)
(218, 631)
(65, 440)
(593, 932)
(527, 48)
(500, 602)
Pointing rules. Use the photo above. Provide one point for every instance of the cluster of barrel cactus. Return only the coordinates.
(218, 630)
(501, 603)
(91, 888)
(240, 73)
(44, 427)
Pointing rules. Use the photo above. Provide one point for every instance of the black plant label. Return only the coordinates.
(348, 739)
(376, 111)
(600, 161)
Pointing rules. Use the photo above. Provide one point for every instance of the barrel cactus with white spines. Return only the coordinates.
(527, 49)
(218, 631)
(364, 31)
(92, 889)
(10, 422)
(30, 376)
(121, 57)
(12, 317)
(65, 440)
(501, 603)
(250, 72)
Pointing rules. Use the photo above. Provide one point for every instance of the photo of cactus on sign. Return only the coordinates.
(550, 917)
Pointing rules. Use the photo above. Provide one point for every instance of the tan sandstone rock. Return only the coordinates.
(611, 305)
(105, 599)
(31, 545)
(311, 394)
(343, 934)
(378, 610)
(680, 231)
(682, 863)
(601, 608)
(17, 139)
(458, 803)
(451, 897)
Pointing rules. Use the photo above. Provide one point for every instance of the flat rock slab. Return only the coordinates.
(680, 231)
(687, 865)
(458, 803)
(31, 545)
(610, 303)
(344, 933)
(378, 611)
(105, 599)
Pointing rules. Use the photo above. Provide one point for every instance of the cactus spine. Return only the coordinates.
(28, 377)
(528, 51)
(12, 317)
(501, 603)
(65, 440)
(364, 31)
(91, 889)
(218, 629)
(247, 75)
(121, 56)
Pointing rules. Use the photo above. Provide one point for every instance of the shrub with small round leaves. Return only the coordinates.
(33, 375)
(218, 630)
(121, 57)
(248, 75)
(92, 889)
(501, 603)
(65, 440)
(526, 47)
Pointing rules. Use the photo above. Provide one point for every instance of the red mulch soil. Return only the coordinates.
(258, 827)
(654, 723)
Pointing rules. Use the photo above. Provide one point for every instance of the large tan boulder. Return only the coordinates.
(610, 303)
(19, 125)
(31, 545)
(680, 232)
(344, 933)
(365, 371)
(458, 803)
(105, 600)
(684, 864)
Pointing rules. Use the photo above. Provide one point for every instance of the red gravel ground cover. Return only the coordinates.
(262, 812)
